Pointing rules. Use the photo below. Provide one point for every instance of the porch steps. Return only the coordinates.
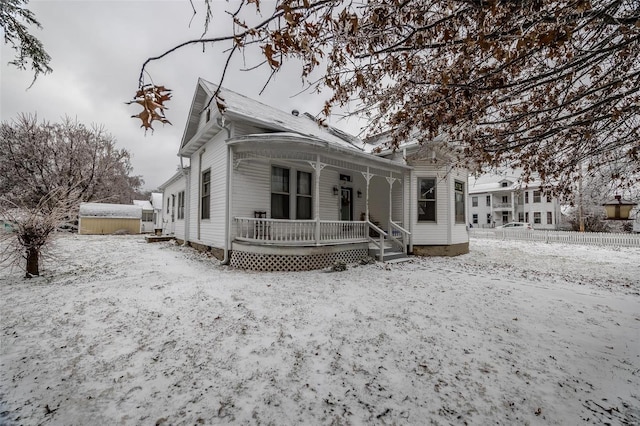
(399, 260)
(158, 238)
(391, 254)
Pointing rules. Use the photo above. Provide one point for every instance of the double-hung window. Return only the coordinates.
(280, 193)
(304, 200)
(537, 217)
(459, 201)
(427, 200)
(205, 195)
(536, 196)
(180, 205)
(474, 201)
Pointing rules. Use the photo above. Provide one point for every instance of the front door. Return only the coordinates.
(346, 204)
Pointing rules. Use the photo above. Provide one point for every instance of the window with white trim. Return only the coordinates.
(458, 188)
(549, 218)
(426, 200)
(474, 201)
(537, 217)
(280, 194)
(536, 196)
(304, 199)
(180, 205)
(205, 195)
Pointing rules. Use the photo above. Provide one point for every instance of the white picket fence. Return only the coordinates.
(567, 237)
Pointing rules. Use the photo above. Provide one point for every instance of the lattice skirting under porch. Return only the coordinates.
(293, 262)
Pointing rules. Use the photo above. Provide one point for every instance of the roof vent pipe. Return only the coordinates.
(295, 112)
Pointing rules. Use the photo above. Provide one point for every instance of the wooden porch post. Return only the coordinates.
(368, 178)
(390, 179)
(316, 207)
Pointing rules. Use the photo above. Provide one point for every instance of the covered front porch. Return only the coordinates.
(297, 196)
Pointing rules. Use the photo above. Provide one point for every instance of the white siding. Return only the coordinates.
(359, 183)
(398, 199)
(252, 188)
(427, 233)
(444, 231)
(459, 232)
(212, 156)
(329, 203)
(379, 201)
(170, 223)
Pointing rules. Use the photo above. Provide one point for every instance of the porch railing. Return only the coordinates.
(379, 242)
(502, 206)
(298, 232)
(399, 235)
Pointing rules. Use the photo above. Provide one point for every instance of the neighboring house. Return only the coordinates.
(147, 215)
(495, 200)
(270, 190)
(172, 214)
(634, 216)
(156, 202)
(102, 218)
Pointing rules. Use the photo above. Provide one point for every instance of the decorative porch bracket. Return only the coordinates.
(317, 165)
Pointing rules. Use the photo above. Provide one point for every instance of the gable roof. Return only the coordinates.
(242, 108)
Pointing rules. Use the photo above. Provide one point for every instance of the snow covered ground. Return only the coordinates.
(122, 332)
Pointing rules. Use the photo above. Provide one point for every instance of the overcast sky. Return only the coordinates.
(97, 48)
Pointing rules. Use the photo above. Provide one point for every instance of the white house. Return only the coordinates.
(268, 190)
(156, 202)
(147, 215)
(497, 199)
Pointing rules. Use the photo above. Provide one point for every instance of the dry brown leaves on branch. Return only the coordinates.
(152, 99)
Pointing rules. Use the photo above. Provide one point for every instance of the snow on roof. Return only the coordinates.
(145, 204)
(303, 124)
(492, 182)
(110, 210)
(156, 200)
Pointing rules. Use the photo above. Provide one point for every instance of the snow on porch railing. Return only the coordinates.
(297, 232)
(567, 237)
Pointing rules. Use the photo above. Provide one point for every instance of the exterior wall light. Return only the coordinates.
(335, 190)
(359, 194)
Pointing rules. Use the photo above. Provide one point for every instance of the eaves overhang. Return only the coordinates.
(208, 131)
(308, 144)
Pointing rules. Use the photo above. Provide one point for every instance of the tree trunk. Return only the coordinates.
(33, 257)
